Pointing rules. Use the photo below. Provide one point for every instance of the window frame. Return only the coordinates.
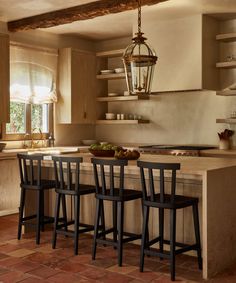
(37, 136)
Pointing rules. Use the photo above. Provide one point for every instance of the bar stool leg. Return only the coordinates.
(64, 211)
(96, 226)
(42, 210)
(161, 229)
(76, 228)
(144, 241)
(197, 234)
(114, 206)
(172, 242)
(57, 210)
(38, 216)
(102, 215)
(120, 231)
(21, 212)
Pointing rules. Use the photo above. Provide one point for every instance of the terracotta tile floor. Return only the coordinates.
(24, 261)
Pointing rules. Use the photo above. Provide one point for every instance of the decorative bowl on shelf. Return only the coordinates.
(119, 70)
(110, 116)
(102, 153)
(111, 94)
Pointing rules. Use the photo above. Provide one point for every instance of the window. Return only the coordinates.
(32, 93)
(29, 118)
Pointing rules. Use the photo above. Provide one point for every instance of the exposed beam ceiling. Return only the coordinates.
(77, 13)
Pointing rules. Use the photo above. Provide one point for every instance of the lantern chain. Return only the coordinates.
(139, 16)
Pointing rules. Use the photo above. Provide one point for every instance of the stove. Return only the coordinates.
(178, 150)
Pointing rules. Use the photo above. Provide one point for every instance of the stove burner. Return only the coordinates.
(183, 150)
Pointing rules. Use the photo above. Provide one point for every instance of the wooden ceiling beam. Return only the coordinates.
(77, 13)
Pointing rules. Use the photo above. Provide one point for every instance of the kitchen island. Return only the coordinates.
(212, 180)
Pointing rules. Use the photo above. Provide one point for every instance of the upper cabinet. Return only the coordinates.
(4, 79)
(77, 87)
(187, 52)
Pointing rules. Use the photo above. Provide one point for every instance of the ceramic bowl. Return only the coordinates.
(110, 116)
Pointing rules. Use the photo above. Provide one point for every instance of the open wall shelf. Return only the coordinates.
(226, 121)
(226, 37)
(110, 54)
(121, 122)
(226, 65)
(228, 92)
(123, 98)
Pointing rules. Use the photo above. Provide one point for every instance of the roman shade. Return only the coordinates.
(32, 75)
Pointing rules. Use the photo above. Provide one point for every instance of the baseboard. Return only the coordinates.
(8, 212)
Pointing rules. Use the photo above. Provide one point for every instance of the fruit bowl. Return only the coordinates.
(102, 153)
(127, 155)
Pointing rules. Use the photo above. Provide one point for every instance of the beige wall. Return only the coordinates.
(181, 117)
(176, 117)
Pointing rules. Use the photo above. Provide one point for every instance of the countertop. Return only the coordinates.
(191, 167)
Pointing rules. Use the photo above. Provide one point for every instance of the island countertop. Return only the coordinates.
(189, 165)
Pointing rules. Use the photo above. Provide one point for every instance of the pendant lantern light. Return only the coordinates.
(139, 62)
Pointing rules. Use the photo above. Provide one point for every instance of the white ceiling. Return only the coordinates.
(110, 26)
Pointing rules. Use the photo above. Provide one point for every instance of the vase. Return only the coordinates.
(224, 144)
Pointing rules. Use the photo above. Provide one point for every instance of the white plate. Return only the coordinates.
(119, 70)
(104, 72)
(112, 94)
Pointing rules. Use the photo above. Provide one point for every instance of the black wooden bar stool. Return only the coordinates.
(164, 201)
(118, 196)
(65, 168)
(31, 179)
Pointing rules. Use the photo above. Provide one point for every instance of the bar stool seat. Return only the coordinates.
(31, 179)
(83, 190)
(45, 184)
(127, 195)
(178, 201)
(163, 201)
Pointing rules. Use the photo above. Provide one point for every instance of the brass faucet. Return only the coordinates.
(33, 143)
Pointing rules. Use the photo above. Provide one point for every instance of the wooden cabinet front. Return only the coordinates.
(4, 79)
(77, 87)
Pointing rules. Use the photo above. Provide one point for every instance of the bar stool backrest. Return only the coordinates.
(100, 183)
(63, 167)
(30, 170)
(162, 167)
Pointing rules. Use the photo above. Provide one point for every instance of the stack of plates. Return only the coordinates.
(119, 70)
(105, 72)
(112, 94)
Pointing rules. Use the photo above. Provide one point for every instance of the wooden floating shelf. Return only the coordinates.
(123, 98)
(226, 121)
(226, 37)
(228, 92)
(121, 122)
(111, 76)
(229, 64)
(110, 54)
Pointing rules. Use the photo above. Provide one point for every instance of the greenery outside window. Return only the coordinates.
(29, 119)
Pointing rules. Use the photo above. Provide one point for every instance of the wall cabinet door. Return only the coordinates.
(77, 87)
(4, 78)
